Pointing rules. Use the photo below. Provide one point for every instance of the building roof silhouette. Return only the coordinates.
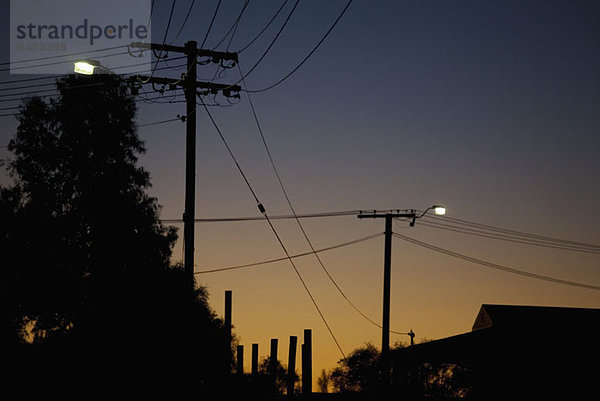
(544, 317)
(519, 349)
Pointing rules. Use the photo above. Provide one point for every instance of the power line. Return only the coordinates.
(270, 223)
(509, 238)
(239, 168)
(187, 15)
(308, 55)
(60, 76)
(515, 232)
(298, 255)
(139, 126)
(295, 215)
(265, 27)
(159, 122)
(164, 41)
(233, 27)
(57, 62)
(494, 265)
(260, 59)
(64, 55)
(273, 217)
(304, 285)
(29, 79)
(212, 21)
(36, 93)
(28, 86)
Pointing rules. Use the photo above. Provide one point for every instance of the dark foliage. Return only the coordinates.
(359, 371)
(86, 284)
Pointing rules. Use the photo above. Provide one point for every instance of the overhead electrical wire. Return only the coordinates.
(139, 126)
(509, 238)
(212, 21)
(521, 234)
(64, 55)
(29, 79)
(233, 27)
(314, 49)
(423, 221)
(164, 41)
(295, 215)
(159, 122)
(20, 96)
(57, 62)
(494, 265)
(273, 217)
(60, 76)
(265, 27)
(185, 20)
(260, 59)
(298, 255)
(276, 234)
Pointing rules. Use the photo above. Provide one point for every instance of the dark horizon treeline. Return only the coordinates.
(88, 293)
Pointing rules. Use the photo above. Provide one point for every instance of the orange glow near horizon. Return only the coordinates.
(434, 295)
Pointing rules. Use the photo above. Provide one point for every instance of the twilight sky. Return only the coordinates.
(490, 108)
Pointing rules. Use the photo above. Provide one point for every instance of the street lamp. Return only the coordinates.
(90, 67)
(84, 67)
(439, 210)
(389, 215)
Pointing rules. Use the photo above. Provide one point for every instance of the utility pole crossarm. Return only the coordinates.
(204, 85)
(382, 214)
(214, 55)
(190, 86)
(389, 215)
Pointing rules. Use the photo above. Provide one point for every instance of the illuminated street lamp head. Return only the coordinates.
(84, 67)
(90, 67)
(439, 210)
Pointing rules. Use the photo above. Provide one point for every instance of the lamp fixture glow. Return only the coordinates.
(439, 210)
(83, 67)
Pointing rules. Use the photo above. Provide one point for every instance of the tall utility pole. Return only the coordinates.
(412, 215)
(190, 86)
(189, 213)
(387, 272)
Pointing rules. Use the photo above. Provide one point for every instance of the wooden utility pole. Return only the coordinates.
(190, 86)
(254, 370)
(387, 273)
(291, 373)
(240, 360)
(189, 213)
(273, 363)
(228, 301)
(411, 215)
(307, 363)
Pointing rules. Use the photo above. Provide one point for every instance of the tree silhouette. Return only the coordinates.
(86, 266)
(323, 381)
(274, 377)
(358, 371)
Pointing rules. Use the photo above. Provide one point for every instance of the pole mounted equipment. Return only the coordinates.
(389, 215)
(190, 86)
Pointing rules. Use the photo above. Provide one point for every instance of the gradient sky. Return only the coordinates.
(490, 108)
